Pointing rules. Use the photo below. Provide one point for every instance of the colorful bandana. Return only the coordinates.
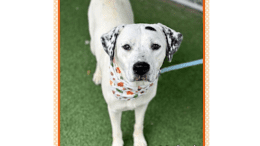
(123, 89)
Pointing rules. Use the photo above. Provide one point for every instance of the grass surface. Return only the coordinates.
(174, 116)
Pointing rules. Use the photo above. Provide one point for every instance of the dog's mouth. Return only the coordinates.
(141, 78)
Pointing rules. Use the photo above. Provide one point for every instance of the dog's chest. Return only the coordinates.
(122, 105)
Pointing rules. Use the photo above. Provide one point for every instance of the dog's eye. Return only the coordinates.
(126, 47)
(155, 46)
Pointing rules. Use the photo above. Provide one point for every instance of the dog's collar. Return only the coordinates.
(122, 89)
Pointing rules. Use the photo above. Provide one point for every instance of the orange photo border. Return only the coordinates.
(56, 55)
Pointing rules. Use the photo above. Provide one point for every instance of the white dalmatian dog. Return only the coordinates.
(129, 57)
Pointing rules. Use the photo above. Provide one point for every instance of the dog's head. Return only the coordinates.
(140, 49)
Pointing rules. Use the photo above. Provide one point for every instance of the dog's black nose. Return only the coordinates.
(141, 68)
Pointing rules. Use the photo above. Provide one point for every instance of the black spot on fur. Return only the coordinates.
(179, 36)
(174, 41)
(104, 43)
(150, 28)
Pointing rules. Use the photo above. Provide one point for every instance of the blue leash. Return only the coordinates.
(182, 65)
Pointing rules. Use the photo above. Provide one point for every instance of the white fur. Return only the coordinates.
(104, 15)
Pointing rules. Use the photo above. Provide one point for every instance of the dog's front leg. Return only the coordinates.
(139, 139)
(115, 118)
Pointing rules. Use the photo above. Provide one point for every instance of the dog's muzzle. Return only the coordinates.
(140, 70)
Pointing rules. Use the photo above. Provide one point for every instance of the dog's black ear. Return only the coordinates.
(108, 40)
(173, 40)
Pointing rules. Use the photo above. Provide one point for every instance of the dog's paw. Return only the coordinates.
(118, 142)
(139, 140)
(97, 78)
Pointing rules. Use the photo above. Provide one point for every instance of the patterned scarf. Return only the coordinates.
(122, 89)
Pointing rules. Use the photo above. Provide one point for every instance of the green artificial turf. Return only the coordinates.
(174, 116)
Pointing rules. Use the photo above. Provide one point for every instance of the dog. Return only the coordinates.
(129, 57)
